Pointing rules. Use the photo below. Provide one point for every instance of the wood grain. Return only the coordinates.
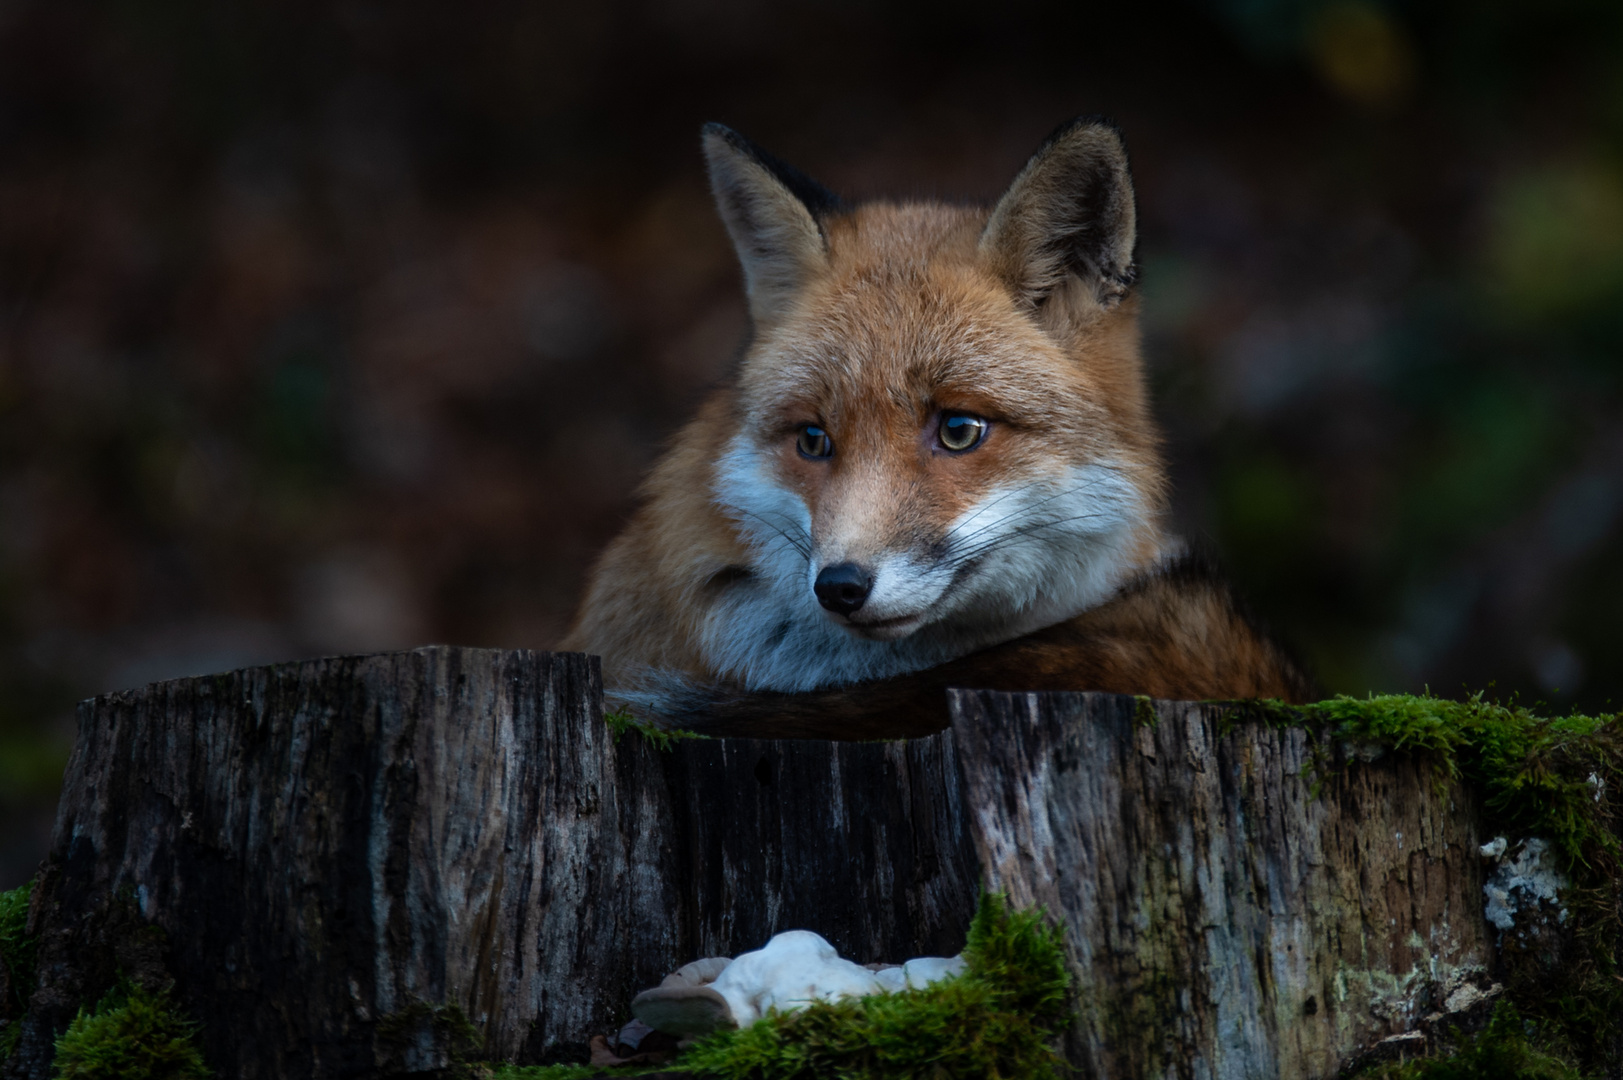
(1222, 916)
(330, 861)
(336, 851)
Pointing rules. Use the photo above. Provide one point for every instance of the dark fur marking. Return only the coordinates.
(816, 198)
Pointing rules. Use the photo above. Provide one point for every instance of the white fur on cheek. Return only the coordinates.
(770, 632)
(1028, 555)
(1040, 552)
(905, 584)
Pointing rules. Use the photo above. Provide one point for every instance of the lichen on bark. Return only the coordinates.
(1549, 786)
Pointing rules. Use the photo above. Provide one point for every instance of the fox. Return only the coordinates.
(934, 465)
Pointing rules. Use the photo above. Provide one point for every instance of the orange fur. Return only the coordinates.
(872, 324)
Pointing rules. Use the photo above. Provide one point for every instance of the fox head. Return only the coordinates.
(940, 433)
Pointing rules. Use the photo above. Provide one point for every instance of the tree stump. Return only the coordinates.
(1255, 901)
(348, 858)
(379, 866)
(337, 850)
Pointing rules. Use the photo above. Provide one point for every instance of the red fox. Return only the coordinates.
(935, 465)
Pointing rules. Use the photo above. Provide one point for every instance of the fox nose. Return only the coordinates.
(843, 587)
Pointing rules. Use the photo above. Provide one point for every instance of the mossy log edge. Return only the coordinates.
(350, 861)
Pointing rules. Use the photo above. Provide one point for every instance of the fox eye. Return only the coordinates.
(813, 442)
(961, 431)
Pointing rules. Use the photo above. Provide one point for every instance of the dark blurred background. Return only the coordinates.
(351, 326)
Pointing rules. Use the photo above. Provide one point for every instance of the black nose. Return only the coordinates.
(843, 587)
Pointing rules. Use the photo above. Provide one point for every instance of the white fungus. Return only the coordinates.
(920, 972)
(794, 969)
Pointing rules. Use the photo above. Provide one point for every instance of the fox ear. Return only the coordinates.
(1069, 212)
(773, 212)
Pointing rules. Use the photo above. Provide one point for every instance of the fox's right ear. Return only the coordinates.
(1068, 216)
(773, 212)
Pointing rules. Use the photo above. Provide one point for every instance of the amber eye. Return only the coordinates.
(961, 431)
(813, 442)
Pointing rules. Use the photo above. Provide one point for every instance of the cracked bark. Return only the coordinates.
(325, 858)
(1237, 901)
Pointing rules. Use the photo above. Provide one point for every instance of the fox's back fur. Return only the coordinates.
(936, 456)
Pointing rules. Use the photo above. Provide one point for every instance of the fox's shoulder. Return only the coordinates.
(646, 590)
(1179, 632)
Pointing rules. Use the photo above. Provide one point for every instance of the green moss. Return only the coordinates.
(569, 1072)
(16, 947)
(132, 1034)
(1505, 1050)
(622, 721)
(448, 1021)
(998, 1019)
(1557, 778)
(545, 1072)
(1144, 714)
(17, 951)
(1538, 775)
(447, 1026)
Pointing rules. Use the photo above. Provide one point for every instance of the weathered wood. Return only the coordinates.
(1222, 917)
(865, 843)
(325, 858)
(337, 851)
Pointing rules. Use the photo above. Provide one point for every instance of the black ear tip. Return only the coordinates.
(714, 130)
(1086, 122)
(818, 199)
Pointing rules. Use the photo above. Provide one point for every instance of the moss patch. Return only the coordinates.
(623, 721)
(132, 1034)
(16, 947)
(1000, 1018)
(565, 1072)
(419, 1023)
(17, 953)
(1556, 778)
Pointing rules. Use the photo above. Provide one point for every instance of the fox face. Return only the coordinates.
(938, 434)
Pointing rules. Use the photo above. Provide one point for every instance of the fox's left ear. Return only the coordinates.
(1069, 213)
(773, 212)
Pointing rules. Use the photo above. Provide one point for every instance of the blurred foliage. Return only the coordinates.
(1491, 392)
(343, 327)
(1554, 245)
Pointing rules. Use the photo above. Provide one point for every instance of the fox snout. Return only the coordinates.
(881, 595)
(843, 588)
